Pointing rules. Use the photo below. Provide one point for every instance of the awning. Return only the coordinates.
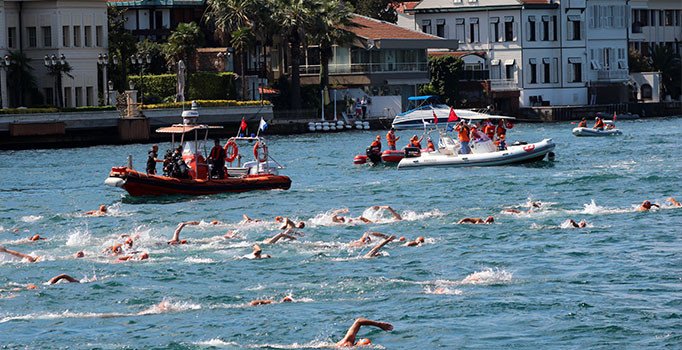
(545, 60)
(531, 18)
(473, 20)
(407, 81)
(181, 129)
(494, 19)
(574, 18)
(545, 18)
(533, 61)
(509, 18)
(459, 20)
(574, 60)
(509, 62)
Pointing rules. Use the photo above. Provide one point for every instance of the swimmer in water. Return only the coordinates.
(286, 299)
(374, 252)
(488, 220)
(392, 211)
(417, 242)
(581, 224)
(288, 224)
(674, 202)
(247, 219)
(176, 235)
(36, 238)
(531, 205)
(349, 339)
(62, 277)
(646, 206)
(366, 238)
(143, 256)
(115, 249)
(257, 253)
(99, 212)
(79, 254)
(230, 234)
(18, 255)
(343, 220)
(288, 234)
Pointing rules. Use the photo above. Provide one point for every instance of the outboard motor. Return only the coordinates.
(412, 152)
(373, 154)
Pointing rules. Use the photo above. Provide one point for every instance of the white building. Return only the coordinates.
(656, 22)
(539, 52)
(75, 29)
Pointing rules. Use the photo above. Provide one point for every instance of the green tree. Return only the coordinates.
(121, 47)
(638, 62)
(21, 80)
(56, 71)
(664, 60)
(379, 9)
(331, 28)
(182, 45)
(445, 72)
(153, 50)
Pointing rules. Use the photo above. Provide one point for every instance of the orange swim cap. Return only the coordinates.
(35, 238)
(31, 286)
(363, 342)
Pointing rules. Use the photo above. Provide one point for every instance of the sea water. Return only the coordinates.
(529, 280)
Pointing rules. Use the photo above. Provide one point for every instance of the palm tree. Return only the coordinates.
(56, 70)
(21, 78)
(183, 43)
(331, 28)
(664, 60)
(295, 18)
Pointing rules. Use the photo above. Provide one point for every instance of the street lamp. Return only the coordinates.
(4, 65)
(102, 63)
(56, 65)
(225, 58)
(141, 62)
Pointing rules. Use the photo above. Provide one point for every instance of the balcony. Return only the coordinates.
(366, 68)
(503, 85)
(612, 75)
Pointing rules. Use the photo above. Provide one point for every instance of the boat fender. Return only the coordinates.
(529, 148)
(232, 151)
(262, 146)
(412, 152)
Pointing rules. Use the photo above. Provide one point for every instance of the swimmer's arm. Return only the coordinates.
(352, 332)
(372, 253)
(58, 278)
(377, 234)
(393, 212)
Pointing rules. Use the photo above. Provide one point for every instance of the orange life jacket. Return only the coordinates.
(599, 124)
(375, 143)
(463, 133)
(430, 146)
(489, 130)
(390, 139)
(582, 124)
(416, 144)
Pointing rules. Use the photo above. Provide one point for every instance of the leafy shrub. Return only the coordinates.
(202, 85)
(28, 110)
(206, 103)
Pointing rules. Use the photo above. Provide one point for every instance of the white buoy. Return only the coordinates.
(349, 126)
(340, 122)
(311, 124)
(365, 123)
(359, 127)
(366, 127)
(312, 128)
(318, 127)
(325, 128)
(332, 127)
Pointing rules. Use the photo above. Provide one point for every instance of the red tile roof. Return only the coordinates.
(370, 28)
(407, 5)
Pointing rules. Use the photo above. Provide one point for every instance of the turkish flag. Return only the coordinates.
(242, 126)
(453, 116)
(435, 118)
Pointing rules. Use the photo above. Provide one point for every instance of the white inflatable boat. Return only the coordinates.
(593, 132)
(482, 154)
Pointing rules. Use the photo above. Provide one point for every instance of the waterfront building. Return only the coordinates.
(75, 29)
(537, 52)
(656, 22)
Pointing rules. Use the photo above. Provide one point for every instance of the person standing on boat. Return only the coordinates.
(217, 159)
(375, 146)
(501, 130)
(598, 124)
(463, 135)
(416, 142)
(152, 160)
(391, 139)
(429, 145)
(489, 130)
(583, 123)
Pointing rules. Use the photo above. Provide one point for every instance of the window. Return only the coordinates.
(533, 68)
(575, 70)
(554, 28)
(440, 28)
(49, 96)
(98, 36)
(531, 28)
(644, 17)
(547, 70)
(76, 36)
(495, 73)
(545, 28)
(606, 54)
(67, 97)
(426, 26)
(79, 96)
(555, 71)
(459, 29)
(495, 29)
(32, 36)
(574, 28)
(509, 69)
(89, 96)
(47, 36)
(12, 37)
(87, 30)
(669, 15)
(653, 17)
(646, 92)
(509, 29)
(66, 36)
(473, 30)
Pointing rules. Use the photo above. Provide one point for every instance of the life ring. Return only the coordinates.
(529, 148)
(509, 125)
(265, 151)
(232, 151)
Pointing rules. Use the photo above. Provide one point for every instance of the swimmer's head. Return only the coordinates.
(129, 242)
(103, 208)
(414, 137)
(363, 342)
(287, 299)
(215, 222)
(144, 256)
(31, 286)
(378, 137)
(279, 218)
(301, 224)
(116, 248)
(646, 204)
(79, 254)
(35, 238)
(420, 239)
(401, 239)
(489, 219)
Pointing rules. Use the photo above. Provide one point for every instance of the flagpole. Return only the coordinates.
(259, 124)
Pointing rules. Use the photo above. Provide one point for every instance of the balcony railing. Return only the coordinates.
(612, 74)
(476, 75)
(364, 68)
(503, 85)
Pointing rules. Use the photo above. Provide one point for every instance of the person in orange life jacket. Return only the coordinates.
(502, 143)
(489, 130)
(375, 146)
(416, 141)
(501, 130)
(429, 145)
(477, 135)
(391, 139)
(463, 135)
(598, 124)
(583, 123)
(217, 158)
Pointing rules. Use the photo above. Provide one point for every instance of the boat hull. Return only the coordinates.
(513, 155)
(594, 133)
(140, 184)
(392, 156)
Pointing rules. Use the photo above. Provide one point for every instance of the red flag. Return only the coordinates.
(453, 116)
(242, 126)
(614, 116)
(435, 118)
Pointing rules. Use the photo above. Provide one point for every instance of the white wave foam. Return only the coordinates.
(488, 276)
(64, 314)
(31, 218)
(593, 209)
(442, 290)
(409, 215)
(167, 305)
(194, 260)
(315, 344)
(79, 238)
(568, 225)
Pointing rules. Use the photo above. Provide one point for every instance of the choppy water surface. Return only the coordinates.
(525, 281)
